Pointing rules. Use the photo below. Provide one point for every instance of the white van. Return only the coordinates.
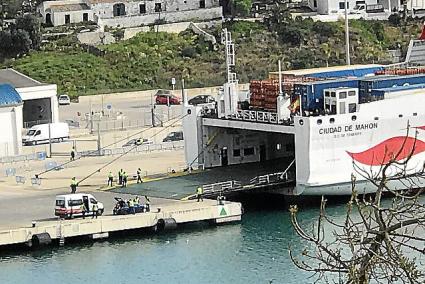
(69, 205)
(40, 133)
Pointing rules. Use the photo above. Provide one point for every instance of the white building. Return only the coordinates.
(128, 13)
(11, 121)
(40, 103)
(329, 7)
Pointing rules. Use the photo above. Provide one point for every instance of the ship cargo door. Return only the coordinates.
(262, 153)
(224, 157)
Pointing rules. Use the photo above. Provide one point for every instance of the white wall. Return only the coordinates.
(41, 92)
(332, 6)
(181, 16)
(10, 129)
(58, 18)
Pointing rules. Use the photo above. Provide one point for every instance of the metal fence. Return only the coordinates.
(20, 158)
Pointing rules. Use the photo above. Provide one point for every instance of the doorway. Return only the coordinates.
(86, 202)
(48, 19)
(262, 153)
(224, 157)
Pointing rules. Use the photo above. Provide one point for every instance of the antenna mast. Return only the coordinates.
(226, 39)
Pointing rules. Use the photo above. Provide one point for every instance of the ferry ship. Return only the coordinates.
(324, 127)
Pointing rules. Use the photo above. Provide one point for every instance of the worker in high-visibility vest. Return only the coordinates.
(199, 193)
(131, 206)
(95, 209)
(110, 179)
(74, 185)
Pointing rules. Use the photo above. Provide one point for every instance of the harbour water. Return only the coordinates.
(253, 251)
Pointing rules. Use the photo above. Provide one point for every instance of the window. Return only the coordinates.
(38, 132)
(315, 4)
(85, 17)
(93, 201)
(343, 95)
(60, 203)
(236, 153)
(75, 202)
(119, 9)
(342, 5)
(333, 95)
(248, 151)
(202, 4)
(319, 121)
(352, 108)
(326, 94)
(142, 8)
(158, 7)
(351, 93)
(67, 19)
(31, 132)
(333, 109)
(332, 120)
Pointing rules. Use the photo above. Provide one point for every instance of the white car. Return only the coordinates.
(64, 100)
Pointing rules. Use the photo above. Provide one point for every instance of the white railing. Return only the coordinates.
(221, 186)
(274, 177)
(256, 116)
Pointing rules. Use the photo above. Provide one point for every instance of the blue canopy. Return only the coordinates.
(9, 96)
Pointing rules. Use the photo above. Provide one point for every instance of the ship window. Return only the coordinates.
(326, 94)
(301, 122)
(333, 95)
(353, 118)
(415, 114)
(351, 93)
(278, 146)
(332, 120)
(319, 121)
(376, 118)
(352, 108)
(343, 95)
(333, 109)
(400, 115)
(236, 153)
(248, 151)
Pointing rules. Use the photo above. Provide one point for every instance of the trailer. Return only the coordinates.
(367, 85)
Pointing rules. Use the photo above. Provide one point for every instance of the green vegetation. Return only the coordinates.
(151, 59)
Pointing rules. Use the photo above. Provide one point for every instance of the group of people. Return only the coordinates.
(132, 204)
(123, 178)
(95, 211)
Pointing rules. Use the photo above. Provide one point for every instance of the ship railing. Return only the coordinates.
(221, 186)
(256, 116)
(274, 177)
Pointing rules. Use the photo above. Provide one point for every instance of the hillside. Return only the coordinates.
(150, 60)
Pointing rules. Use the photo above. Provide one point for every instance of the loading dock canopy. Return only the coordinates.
(9, 96)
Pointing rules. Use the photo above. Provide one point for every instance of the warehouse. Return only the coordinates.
(40, 100)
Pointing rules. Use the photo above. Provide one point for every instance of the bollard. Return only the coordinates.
(33, 224)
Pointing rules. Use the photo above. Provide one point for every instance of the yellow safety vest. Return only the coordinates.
(200, 190)
(74, 182)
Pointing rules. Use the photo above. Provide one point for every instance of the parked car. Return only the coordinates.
(64, 100)
(201, 99)
(163, 96)
(138, 141)
(40, 133)
(122, 208)
(69, 205)
(174, 136)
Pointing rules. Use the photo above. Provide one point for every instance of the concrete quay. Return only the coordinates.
(167, 217)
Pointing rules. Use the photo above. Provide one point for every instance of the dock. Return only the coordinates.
(162, 218)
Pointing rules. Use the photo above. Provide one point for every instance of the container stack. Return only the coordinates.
(264, 93)
(401, 71)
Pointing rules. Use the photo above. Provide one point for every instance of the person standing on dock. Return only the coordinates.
(139, 175)
(199, 193)
(120, 176)
(124, 179)
(72, 154)
(95, 210)
(131, 206)
(83, 210)
(148, 204)
(137, 200)
(74, 185)
(110, 179)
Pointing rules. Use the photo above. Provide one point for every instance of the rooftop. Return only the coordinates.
(304, 72)
(16, 79)
(69, 7)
